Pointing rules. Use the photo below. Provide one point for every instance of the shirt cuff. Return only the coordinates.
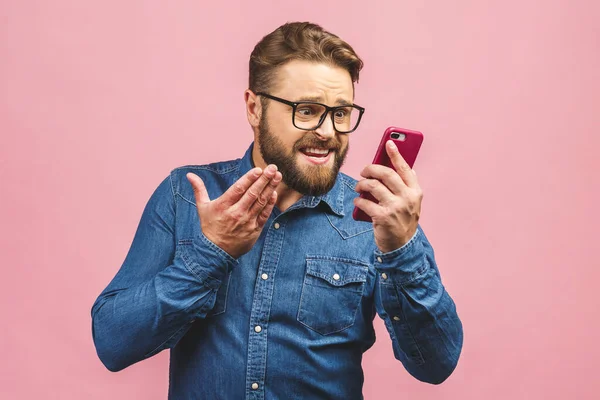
(206, 260)
(403, 264)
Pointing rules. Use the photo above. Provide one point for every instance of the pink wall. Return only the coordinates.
(99, 102)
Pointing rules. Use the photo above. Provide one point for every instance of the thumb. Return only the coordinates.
(199, 189)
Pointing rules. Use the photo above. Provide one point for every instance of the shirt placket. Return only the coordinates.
(261, 308)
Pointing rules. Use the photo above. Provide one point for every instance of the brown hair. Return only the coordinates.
(299, 41)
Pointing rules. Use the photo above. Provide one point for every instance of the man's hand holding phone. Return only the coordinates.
(396, 216)
(235, 220)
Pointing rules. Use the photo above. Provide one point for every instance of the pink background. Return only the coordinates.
(100, 100)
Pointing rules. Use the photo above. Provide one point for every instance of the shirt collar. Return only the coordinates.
(334, 198)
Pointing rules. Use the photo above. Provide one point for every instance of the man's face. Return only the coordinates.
(295, 151)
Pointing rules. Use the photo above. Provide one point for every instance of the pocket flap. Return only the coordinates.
(338, 272)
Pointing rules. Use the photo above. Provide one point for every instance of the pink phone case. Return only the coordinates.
(409, 148)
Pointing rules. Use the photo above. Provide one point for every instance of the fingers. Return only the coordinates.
(262, 218)
(253, 193)
(239, 188)
(375, 187)
(400, 164)
(370, 208)
(263, 198)
(200, 192)
(386, 175)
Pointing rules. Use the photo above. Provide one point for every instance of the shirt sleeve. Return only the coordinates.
(162, 287)
(418, 312)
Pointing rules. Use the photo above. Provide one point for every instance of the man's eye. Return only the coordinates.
(305, 111)
(340, 114)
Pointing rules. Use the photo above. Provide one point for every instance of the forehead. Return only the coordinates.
(304, 79)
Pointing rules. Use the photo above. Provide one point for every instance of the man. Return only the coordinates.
(253, 271)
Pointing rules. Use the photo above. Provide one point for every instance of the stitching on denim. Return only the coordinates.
(418, 274)
(171, 184)
(340, 201)
(387, 282)
(437, 326)
(226, 283)
(304, 285)
(355, 312)
(339, 286)
(349, 181)
(210, 167)
(185, 199)
(414, 276)
(301, 302)
(356, 278)
(344, 234)
(388, 326)
(344, 282)
(329, 332)
(407, 246)
(185, 259)
(419, 360)
(216, 248)
(162, 345)
(332, 258)
(205, 279)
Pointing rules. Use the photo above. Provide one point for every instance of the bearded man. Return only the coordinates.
(254, 273)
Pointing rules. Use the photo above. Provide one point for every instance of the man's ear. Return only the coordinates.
(253, 108)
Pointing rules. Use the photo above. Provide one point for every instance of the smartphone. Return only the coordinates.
(408, 143)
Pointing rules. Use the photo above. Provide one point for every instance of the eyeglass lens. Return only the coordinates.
(308, 116)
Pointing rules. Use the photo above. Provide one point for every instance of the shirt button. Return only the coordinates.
(257, 329)
(384, 276)
(396, 318)
(255, 386)
(379, 259)
(276, 225)
(264, 276)
(336, 277)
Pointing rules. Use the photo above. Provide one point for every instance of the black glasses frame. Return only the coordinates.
(295, 104)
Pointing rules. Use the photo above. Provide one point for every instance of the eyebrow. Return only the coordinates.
(319, 99)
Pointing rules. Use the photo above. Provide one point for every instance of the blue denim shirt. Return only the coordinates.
(291, 318)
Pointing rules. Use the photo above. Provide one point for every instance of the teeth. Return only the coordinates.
(316, 151)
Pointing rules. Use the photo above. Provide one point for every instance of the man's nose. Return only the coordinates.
(326, 130)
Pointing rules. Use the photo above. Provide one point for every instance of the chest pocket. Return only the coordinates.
(331, 293)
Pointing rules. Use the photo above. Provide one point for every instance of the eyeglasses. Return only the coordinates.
(308, 115)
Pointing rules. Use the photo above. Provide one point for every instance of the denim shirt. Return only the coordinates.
(290, 319)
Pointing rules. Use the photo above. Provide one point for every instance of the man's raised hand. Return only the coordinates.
(235, 220)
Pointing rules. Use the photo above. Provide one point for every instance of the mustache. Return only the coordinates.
(312, 142)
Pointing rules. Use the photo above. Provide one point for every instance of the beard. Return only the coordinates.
(312, 180)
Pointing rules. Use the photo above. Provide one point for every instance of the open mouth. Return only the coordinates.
(315, 152)
(317, 155)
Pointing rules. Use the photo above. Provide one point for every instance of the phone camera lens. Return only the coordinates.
(399, 136)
